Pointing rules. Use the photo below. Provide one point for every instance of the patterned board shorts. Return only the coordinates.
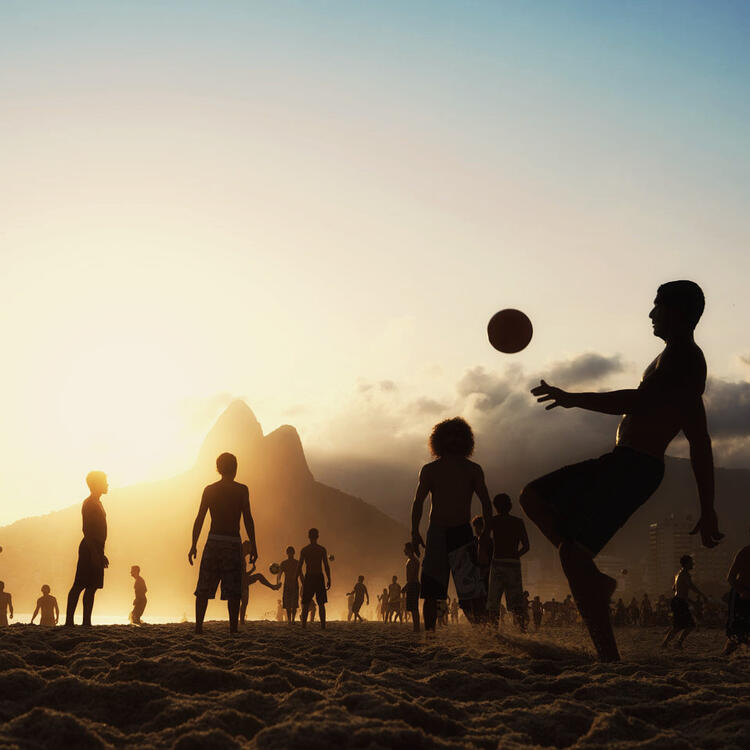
(505, 578)
(221, 562)
(450, 552)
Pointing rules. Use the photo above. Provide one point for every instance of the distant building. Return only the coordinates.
(668, 541)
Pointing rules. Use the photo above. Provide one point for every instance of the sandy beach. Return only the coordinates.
(368, 686)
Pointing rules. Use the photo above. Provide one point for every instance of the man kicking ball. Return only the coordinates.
(579, 508)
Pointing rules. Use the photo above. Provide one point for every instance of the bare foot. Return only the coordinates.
(592, 591)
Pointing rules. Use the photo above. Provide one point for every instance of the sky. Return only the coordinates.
(317, 206)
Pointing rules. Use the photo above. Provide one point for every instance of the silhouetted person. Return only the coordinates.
(139, 588)
(91, 558)
(510, 543)
(383, 599)
(394, 600)
(47, 605)
(412, 584)
(359, 594)
(290, 594)
(537, 608)
(646, 611)
(580, 507)
(6, 605)
(738, 620)
(451, 480)
(227, 501)
(682, 619)
(249, 577)
(314, 559)
(280, 614)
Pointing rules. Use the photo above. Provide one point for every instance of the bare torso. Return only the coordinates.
(507, 535)
(225, 500)
(289, 568)
(671, 385)
(451, 482)
(682, 584)
(313, 556)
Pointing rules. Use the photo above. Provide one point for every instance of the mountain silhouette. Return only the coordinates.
(150, 525)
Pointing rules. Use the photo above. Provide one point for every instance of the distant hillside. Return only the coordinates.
(150, 525)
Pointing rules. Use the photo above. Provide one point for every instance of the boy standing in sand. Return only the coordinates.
(412, 584)
(314, 559)
(91, 558)
(290, 595)
(6, 604)
(47, 605)
(227, 501)
(510, 543)
(682, 619)
(139, 588)
(579, 508)
(451, 480)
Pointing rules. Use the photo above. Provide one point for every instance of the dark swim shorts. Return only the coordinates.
(90, 567)
(593, 499)
(314, 586)
(681, 616)
(221, 562)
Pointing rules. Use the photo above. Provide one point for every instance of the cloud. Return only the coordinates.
(744, 358)
(728, 408)
(490, 388)
(584, 368)
(428, 406)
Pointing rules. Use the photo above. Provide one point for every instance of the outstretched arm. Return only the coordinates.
(610, 402)
(416, 511)
(247, 517)
(702, 461)
(197, 526)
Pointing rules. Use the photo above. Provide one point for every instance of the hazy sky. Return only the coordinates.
(289, 202)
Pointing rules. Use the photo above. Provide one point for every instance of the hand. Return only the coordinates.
(105, 561)
(708, 525)
(416, 541)
(557, 396)
(253, 553)
(192, 554)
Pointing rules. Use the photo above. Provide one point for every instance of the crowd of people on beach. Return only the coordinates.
(578, 508)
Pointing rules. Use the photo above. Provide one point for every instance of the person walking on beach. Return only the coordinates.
(383, 599)
(314, 559)
(646, 611)
(228, 502)
(47, 605)
(412, 584)
(510, 544)
(537, 610)
(6, 605)
(451, 480)
(579, 508)
(394, 600)
(359, 593)
(91, 558)
(738, 620)
(682, 619)
(290, 595)
(139, 588)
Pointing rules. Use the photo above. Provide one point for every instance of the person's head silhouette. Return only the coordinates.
(290, 552)
(46, 589)
(677, 309)
(97, 482)
(135, 571)
(395, 578)
(313, 535)
(502, 503)
(452, 437)
(226, 465)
